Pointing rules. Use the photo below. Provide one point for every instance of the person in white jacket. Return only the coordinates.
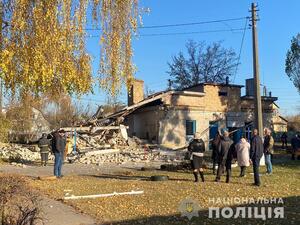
(243, 153)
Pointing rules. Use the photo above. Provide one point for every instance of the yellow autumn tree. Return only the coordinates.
(43, 45)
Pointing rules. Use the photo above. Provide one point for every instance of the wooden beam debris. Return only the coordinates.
(92, 129)
(103, 195)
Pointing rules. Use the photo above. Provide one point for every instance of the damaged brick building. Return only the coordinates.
(170, 118)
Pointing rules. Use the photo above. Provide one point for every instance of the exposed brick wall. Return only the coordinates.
(247, 104)
(214, 102)
(211, 101)
(136, 93)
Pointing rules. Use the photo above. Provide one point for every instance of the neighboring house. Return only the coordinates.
(279, 123)
(170, 118)
(39, 125)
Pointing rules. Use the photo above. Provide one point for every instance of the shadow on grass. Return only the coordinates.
(132, 177)
(291, 216)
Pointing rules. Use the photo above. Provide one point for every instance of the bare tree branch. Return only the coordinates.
(211, 63)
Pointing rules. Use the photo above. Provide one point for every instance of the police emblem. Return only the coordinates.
(189, 208)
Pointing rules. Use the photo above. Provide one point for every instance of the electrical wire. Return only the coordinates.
(180, 33)
(241, 47)
(183, 24)
(192, 24)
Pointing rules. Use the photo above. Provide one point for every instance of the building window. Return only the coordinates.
(190, 126)
(222, 93)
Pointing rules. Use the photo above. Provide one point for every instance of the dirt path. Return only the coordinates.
(73, 169)
(57, 213)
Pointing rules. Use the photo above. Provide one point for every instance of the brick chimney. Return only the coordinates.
(136, 92)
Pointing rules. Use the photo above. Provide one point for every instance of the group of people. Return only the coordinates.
(295, 144)
(225, 150)
(56, 142)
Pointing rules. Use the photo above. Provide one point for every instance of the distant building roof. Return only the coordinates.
(214, 84)
(264, 98)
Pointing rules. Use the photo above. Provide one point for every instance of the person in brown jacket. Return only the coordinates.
(268, 149)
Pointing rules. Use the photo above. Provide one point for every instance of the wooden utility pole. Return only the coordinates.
(258, 120)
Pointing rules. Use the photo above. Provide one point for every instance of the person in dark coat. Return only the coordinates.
(215, 145)
(58, 148)
(197, 149)
(44, 149)
(284, 140)
(256, 152)
(226, 152)
(295, 143)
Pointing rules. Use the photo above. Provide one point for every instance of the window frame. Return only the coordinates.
(194, 127)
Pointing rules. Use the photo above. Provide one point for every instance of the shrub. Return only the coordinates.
(19, 205)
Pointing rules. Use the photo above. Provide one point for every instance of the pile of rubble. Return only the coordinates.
(18, 153)
(121, 156)
(96, 150)
(117, 156)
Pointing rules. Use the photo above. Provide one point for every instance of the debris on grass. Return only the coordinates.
(73, 197)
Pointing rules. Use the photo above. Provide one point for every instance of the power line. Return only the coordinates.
(183, 24)
(195, 32)
(192, 24)
(241, 47)
(180, 33)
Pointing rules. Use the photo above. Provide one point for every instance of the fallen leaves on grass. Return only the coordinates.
(160, 201)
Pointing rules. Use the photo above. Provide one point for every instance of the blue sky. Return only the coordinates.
(279, 22)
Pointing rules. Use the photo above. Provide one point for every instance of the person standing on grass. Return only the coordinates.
(215, 145)
(44, 149)
(58, 145)
(256, 152)
(295, 143)
(226, 153)
(268, 149)
(284, 140)
(243, 152)
(197, 149)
